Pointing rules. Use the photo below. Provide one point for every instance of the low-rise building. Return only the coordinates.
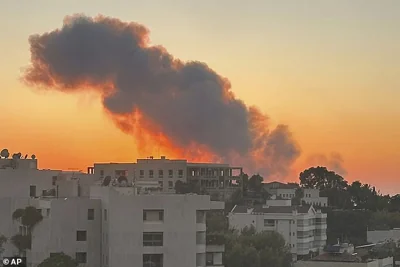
(288, 191)
(344, 255)
(377, 236)
(218, 180)
(303, 227)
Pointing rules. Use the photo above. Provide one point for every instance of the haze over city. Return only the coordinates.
(325, 71)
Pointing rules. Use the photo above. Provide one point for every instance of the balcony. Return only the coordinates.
(305, 240)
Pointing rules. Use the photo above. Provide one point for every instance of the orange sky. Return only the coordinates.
(334, 82)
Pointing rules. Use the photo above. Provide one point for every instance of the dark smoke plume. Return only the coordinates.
(188, 101)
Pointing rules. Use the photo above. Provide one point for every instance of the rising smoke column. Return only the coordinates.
(189, 103)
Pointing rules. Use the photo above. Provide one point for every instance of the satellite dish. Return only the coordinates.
(19, 155)
(4, 153)
(15, 156)
(33, 156)
(26, 156)
(106, 181)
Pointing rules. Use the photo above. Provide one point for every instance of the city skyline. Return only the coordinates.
(288, 66)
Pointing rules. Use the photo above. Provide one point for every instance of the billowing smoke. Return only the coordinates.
(146, 91)
(333, 162)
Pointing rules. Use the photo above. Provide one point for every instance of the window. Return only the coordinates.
(200, 216)
(47, 212)
(209, 259)
(201, 238)
(180, 173)
(153, 260)
(101, 172)
(155, 239)
(160, 173)
(81, 236)
(151, 173)
(170, 173)
(161, 184)
(90, 215)
(153, 215)
(32, 191)
(269, 223)
(170, 184)
(141, 173)
(54, 180)
(81, 257)
(105, 214)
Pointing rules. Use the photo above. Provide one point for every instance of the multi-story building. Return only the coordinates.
(302, 227)
(109, 226)
(218, 180)
(288, 191)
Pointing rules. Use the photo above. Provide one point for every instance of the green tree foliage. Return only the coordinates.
(28, 217)
(322, 178)
(251, 249)
(59, 260)
(347, 225)
(186, 188)
(22, 242)
(255, 183)
(299, 194)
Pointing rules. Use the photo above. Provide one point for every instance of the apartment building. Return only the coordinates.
(218, 180)
(303, 227)
(109, 226)
(288, 191)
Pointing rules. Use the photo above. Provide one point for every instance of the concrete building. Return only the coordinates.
(106, 226)
(383, 235)
(344, 255)
(288, 191)
(303, 227)
(218, 180)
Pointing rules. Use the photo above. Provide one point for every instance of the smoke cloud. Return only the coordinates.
(333, 162)
(146, 91)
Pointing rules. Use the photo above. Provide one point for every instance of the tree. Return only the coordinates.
(22, 242)
(3, 240)
(321, 178)
(59, 260)
(331, 185)
(255, 183)
(186, 188)
(299, 194)
(251, 249)
(28, 217)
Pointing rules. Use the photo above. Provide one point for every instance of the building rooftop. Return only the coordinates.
(337, 257)
(280, 185)
(271, 209)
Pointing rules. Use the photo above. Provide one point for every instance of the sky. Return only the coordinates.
(328, 69)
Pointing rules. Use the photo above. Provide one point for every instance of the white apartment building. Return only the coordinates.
(219, 180)
(303, 227)
(107, 226)
(288, 191)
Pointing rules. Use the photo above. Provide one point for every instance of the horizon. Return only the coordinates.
(328, 71)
